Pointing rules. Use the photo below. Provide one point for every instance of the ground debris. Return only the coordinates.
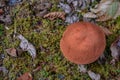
(115, 51)
(72, 18)
(27, 46)
(1, 11)
(41, 7)
(93, 76)
(12, 52)
(106, 31)
(65, 7)
(4, 70)
(82, 68)
(54, 15)
(25, 76)
(71, 7)
(13, 2)
(105, 10)
(5, 16)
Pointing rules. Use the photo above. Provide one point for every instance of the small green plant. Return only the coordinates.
(1, 29)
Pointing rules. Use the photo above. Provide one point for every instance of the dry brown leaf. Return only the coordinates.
(54, 15)
(25, 76)
(106, 31)
(1, 11)
(12, 52)
(115, 50)
(103, 18)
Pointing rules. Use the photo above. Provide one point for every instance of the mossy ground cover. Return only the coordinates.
(53, 65)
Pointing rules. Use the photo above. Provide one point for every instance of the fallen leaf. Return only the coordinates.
(65, 7)
(72, 18)
(4, 70)
(93, 76)
(102, 6)
(41, 7)
(82, 68)
(70, 7)
(1, 11)
(115, 50)
(104, 17)
(111, 11)
(6, 19)
(25, 76)
(27, 46)
(105, 10)
(106, 31)
(118, 12)
(90, 15)
(12, 52)
(54, 15)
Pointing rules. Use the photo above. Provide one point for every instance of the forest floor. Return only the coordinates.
(45, 35)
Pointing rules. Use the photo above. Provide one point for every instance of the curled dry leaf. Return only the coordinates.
(106, 31)
(12, 52)
(115, 50)
(93, 76)
(25, 76)
(27, 46)
(54, 15)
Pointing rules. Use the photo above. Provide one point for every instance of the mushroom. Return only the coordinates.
(83, 42)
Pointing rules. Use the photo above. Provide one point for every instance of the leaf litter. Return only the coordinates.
(27, 46)
(4, 70)
(115, 51)
(73, 6)
(105, 10)
(25, 76)
(12, 52)
(93, 76)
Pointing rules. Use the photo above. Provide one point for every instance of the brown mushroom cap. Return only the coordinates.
(83, 42)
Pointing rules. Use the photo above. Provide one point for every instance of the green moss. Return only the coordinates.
(53, 65)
